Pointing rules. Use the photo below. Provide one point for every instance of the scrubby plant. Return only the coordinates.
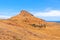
(39, 25)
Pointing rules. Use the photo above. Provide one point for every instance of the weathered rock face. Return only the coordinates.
(29, 19)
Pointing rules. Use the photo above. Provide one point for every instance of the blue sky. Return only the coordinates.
(45, 9)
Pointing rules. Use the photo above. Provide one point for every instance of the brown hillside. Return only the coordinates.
(25, 26)
(29, 19)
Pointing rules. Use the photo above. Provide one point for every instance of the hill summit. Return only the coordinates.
(29, 19)
(25, 13)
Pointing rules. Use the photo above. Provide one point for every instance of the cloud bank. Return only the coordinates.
(4, 17)
(50, 15)
(7, 13)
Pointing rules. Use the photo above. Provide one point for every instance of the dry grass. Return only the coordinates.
(20, 28)
(27, 32)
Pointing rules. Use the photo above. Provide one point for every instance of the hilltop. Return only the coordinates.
(26, 26)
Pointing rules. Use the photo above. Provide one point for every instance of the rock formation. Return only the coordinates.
(25, 26)
(29, 19)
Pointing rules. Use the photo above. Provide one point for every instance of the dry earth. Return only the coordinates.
(25, 26)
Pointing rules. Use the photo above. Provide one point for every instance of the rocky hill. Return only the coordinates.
(25, 26)
(28, 19)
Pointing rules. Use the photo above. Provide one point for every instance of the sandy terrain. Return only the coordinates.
(19, 28)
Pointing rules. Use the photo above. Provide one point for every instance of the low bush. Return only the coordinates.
(40, 25)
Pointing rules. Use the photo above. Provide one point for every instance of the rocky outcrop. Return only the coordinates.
(29, 19)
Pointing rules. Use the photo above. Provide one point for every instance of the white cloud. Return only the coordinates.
(4, 17)
(48, 13)
(7, 13)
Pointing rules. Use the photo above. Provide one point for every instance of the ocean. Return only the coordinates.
(54, 21)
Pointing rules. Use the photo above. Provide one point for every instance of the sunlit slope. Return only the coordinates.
(27, 27)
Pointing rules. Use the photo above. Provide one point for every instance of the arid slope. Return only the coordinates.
(27, 27)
